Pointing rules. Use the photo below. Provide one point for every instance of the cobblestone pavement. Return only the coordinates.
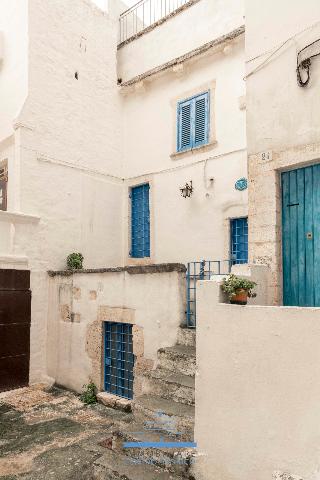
(51, 434)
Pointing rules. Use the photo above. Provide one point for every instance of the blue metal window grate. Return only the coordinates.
(193, 122)
(239, 240)
(119, 359)
(203, 270)
(140, 221)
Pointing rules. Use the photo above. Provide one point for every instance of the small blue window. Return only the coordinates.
(239, 240)
(118, 359)
(140, 222)
(193, 122)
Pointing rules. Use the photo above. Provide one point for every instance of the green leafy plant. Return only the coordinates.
(74, 261)
(232, 284)
(89, 394)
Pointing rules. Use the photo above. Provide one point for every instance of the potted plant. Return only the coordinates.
(74, 261)
(238, 289)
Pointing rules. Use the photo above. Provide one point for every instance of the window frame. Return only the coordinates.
(234, 260)
(192, 101)
(131, 249)
(4, 188)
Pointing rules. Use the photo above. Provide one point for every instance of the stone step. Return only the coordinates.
(113, 466)
(176, 460)
(178, 359)
(176, 386)
(187, 337)
(173, 416)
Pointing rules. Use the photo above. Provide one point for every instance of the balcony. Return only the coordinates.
(16, 230)
(146, 15)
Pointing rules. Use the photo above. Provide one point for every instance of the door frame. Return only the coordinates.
(130, 390)
(127, 244)
(15, 285)
(279, 244)
(230, 238)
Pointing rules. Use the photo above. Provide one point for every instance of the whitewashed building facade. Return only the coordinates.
(85, 120)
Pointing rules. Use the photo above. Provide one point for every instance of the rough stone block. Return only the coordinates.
(75, 317)
(143, 364)
(76, 292)
(112, 401)
(138, 341)
(65, 314)
(116, 314)
(93, 295)
(285, 476)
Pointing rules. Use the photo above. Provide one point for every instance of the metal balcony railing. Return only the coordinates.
(204, 270)
(144, 14)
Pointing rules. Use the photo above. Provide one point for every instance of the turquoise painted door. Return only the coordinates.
(301, 236)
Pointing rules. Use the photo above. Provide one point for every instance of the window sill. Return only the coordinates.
(192, 151)
(139, 261)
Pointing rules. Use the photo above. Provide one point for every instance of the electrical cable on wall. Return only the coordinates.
(274, 51)
(304, 65)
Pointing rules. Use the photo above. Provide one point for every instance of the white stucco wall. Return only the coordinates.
(152, 302)
(65, 160)
(195, 228)
(81, 143)
(280, 113)
(77, 121)
(257, 390)
(202, 22)
(282, 117)
(13, 61)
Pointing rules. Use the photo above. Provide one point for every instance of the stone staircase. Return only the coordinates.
(168, 389)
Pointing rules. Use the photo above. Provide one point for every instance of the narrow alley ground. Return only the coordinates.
(52, 434)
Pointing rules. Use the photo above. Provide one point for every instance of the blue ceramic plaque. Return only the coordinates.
(241, 184)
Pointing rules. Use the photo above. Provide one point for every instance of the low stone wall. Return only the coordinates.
(151, 298)
(257, 390)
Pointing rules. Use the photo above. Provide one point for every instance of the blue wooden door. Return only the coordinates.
(300, 236)
(140, 221)
(118, 359)
(239, 240)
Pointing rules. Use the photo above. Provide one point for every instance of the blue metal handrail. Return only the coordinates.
(202, 270)
(144, 14)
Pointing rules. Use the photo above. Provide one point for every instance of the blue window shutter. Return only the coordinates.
(193, 122)
(140, 222)
(184, 125)
(201, 120)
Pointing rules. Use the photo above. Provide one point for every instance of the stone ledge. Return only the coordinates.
(131, 269)
(17, 217)
(191, 151)
(216, 43)
(112, 401)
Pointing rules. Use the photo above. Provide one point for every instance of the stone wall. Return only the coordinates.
(64, 157)
(151, 298)
(13, 62)
(282, 118)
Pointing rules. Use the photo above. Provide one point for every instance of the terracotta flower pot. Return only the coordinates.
(240, 297)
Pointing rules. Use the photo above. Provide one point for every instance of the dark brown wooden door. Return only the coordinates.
(15, 318)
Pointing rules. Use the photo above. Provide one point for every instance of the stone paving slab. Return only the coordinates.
(52, 434)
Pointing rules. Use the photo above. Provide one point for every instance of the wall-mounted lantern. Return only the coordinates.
(187, 190)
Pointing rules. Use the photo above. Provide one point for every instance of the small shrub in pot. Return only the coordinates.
(74, 261)
(238, 289)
